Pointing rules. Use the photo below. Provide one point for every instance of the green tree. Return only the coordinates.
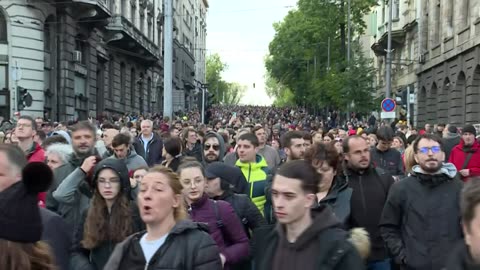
(224, 92)
(299, 54)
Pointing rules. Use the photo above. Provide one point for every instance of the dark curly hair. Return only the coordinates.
(322, 152)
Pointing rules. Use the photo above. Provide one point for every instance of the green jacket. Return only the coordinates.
(257, 175)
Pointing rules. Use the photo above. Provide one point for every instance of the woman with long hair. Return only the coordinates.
(224, 225)
(171, 241)
(332, 190)
(112, 216)
(172, 152)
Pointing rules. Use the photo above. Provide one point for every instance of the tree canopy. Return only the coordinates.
(224, 92)
(298, 63)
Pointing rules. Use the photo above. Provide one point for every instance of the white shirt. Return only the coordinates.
(150, 247)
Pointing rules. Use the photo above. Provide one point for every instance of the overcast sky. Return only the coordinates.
(240, 32)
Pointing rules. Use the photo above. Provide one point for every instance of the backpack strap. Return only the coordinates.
(217, 215)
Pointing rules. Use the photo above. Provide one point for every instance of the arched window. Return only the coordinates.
(149, 95)
(133, 84)
(123, 82)
(3, 27)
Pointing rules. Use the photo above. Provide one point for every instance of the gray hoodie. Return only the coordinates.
(133, 160)
(220, 140)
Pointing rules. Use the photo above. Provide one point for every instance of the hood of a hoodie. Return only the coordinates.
(119, 167)
(447, 172)
(260, 162)
(322, 219)
(212, 134)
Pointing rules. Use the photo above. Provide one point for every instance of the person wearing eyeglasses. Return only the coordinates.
(213, 148)
(421, 220)
(111, 217)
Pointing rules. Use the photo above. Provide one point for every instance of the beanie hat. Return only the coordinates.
(469, 129)
(20, 219)
(452, 129)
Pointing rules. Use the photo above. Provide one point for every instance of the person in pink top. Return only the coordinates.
(25, 131)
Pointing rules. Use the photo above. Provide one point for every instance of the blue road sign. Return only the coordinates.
(388, 105)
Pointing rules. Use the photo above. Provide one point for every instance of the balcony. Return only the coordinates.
(92, 9)
(398, 39)
(125, 36)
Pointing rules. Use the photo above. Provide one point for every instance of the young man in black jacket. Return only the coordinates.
(421, 219)
(303, 238)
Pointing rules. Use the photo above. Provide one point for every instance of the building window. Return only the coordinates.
(465, 15)
(150, 25)
(133, 12)
(111, 78)
(142, 22)
(3, 77)
(47, 37)
(3, 28)
(80, 85)
(133, 83)
(80, 46)
(123, 82)
(396, 9)
(123, 8)
(438, 21)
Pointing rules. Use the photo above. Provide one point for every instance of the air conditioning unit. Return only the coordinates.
(77, 56)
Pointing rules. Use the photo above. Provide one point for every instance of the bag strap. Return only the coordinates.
(217, 215)
(467, 160)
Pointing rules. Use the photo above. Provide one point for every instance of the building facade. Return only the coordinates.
(449, 74)
(84, 58)
(404, 48)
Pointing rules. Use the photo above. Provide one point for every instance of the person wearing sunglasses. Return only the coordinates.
(213, 148)
(421, 220)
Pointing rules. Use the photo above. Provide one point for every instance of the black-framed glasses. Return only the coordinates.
(208, 146)
(424, 150)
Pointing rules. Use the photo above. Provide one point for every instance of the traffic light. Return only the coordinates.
(24, 98)
(210, 99)
(401, 100)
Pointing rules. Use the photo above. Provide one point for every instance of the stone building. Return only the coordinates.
(83, 58)
(449, 74)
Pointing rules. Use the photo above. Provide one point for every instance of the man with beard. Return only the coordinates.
(266, 151)
(370, 187)
(69, 194)
(213, 148)
(421, 219)
(294, 145)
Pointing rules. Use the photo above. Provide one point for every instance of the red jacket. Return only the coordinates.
(458, 156)
(38, 155)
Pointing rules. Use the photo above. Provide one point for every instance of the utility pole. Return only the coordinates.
(349, 27)
(168, 61)
(388, 66)
(328, 55)
(203, 103)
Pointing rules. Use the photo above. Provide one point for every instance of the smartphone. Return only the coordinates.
(234, 115)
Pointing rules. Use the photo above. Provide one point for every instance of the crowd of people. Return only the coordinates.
(254, 188)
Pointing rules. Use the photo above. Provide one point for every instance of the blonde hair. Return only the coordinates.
(25, 256)
(409, 159)
(179, 213)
